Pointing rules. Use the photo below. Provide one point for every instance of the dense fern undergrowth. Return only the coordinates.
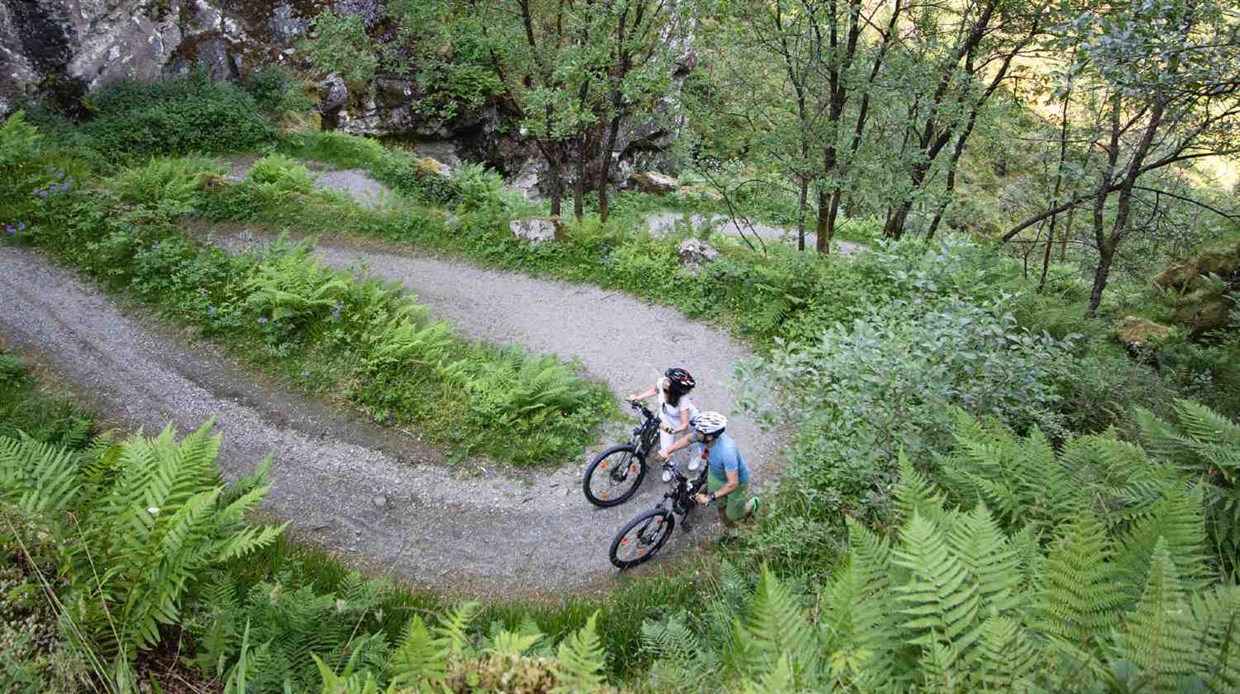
(983, 489)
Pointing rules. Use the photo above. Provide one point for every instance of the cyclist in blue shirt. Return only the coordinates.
(727, 479)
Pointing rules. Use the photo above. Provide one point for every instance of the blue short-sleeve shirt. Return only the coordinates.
(725, 457)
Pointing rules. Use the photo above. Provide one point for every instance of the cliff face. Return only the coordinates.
(65, 48)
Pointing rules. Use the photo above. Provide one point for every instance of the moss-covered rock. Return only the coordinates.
(1141, 332)
(1202, 312)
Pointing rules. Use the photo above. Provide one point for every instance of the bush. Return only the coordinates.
(175, 116)
(172, 186)
(340, 45)
(883, 384)
(278, 93)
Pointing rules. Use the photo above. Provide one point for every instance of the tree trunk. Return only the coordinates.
(802, 205)
(1106, 255)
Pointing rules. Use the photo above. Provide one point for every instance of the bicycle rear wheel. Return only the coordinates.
(613, 476)
(642, 537)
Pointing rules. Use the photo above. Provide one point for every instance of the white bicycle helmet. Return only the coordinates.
(709, 423)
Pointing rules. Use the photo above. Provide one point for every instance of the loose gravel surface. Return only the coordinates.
(380, 498)
(664, 223)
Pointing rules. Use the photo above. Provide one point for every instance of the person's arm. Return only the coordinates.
(643, 395)
(676, 446)
(684, 420)
(734, 481)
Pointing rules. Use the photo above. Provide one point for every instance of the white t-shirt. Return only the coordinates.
(671, 413)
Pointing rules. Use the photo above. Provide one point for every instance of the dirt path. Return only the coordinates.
(401, 510)
(664, 223)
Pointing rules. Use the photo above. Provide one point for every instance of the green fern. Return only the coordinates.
(1080, 598)
(1157, 637)
(940, 600)
(420, 659)
(779, 630)
(39, 479)
(1216, 614)
(580, 665)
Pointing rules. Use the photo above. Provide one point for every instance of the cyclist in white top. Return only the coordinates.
(675, 407)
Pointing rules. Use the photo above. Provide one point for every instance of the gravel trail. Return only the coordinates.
(381, 499)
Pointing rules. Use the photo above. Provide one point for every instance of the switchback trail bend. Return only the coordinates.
(379, 498)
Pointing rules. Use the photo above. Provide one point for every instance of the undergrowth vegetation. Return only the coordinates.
(323, 329)
(114, 553)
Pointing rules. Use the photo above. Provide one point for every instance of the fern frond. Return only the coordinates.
(915, 494)
(419, 658)
(1157, 637)
(453, 630)
(778, 626)
(579, 667)
(940, 599)
(1080, 599)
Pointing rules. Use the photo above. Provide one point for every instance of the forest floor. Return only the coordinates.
(378, 497)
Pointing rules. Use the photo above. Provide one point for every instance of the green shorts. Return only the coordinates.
(734, 503)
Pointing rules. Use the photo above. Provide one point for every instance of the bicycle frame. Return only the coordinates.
(679, 499)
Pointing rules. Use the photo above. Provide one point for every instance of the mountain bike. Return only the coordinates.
(614, 475)
(646, 534)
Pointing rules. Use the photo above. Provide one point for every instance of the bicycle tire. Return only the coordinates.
(601, 462)
(659, 515)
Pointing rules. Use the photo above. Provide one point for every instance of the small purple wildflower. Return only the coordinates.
(21, 226)
(9, 228)
(262, 320)
(64, 187)
(211, 310)
(60, 175)
(41, 193)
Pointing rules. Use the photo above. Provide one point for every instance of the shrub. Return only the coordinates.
(175, 116)
(277, 172)
(278, 93)
(137, 523)
(172, 186)
(340, 45)
(1016, 567)
(883, 384)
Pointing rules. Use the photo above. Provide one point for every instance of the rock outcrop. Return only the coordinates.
(1202, 285)
(535, 229)
(694, 253)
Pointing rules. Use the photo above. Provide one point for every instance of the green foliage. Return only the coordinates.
(340, 45)
(278, 93)
(174, 116)
(279, 173)
(171, 186)
(886, 382)
(131, 527)
(959, 600)
(26, 413)
(1206, 445)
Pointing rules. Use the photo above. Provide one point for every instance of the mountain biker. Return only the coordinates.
(675, 407)
(727, 480)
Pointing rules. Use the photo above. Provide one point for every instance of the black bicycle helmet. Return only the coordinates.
(681, 381)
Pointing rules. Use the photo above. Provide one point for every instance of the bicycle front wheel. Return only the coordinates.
(613, 476)
(642, 538)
